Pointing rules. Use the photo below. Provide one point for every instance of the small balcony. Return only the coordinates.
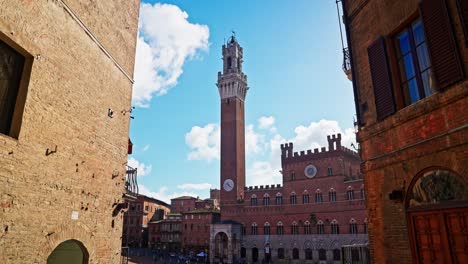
(131, 184)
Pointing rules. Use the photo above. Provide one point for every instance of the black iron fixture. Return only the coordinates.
(110, 113)
(125, 111)
(51, 151)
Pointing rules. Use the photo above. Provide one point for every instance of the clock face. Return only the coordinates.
(310, 171)
(228, 185)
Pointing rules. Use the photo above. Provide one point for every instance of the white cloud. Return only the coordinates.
(166, 40)
(265, 122)
(204, 142)
(253, 140)
(194, 186)
(146, 147)
(142, 169)
(162, 193)
(263, 172)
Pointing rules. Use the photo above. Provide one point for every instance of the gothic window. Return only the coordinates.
(253, 200)
(266, 199)
(330, 171)
(293, 175)
(229, 62)
(279, 228)
(320, 228)
(307, 229)
(295, 253)
(332, 195)
(318, 196)
(292, 198)
(305, 197)
(335, 228)
(294, 228)
(266, 228)
(365, 226)
(350, 193)
(353, 229)
(363, 194)
(279, 199)
(322, 254)
(243, 230)
(254, 229)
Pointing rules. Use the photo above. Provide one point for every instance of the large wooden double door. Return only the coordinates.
(439, 236)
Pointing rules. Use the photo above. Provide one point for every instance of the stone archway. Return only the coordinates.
(221, 246)
(70, 252)
(437, 215)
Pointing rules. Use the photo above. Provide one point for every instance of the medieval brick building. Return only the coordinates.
(307, 219)
(409, 68)
(66, 68)
(136, 218)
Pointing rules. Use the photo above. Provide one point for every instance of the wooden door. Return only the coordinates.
(440, 236)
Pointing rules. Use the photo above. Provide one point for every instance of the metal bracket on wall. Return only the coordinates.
(50, 151)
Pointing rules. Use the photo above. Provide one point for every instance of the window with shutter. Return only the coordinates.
(463, 14)
(381, 79)
(441, 41)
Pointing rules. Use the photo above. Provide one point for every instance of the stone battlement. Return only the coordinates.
(334, 144)
(263, 187)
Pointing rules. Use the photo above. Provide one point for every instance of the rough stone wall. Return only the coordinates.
(422, 135)
(72, 85)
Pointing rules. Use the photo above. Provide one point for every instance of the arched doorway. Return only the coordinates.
(254, 254)
(437, 216)
(70, 252)
(221, 246)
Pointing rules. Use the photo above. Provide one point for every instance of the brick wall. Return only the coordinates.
(429, 133)
(72, 85)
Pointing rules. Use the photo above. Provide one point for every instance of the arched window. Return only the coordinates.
(307, 229)
(350, 193)
(279, 199)
(335, 228)
(365, 225)
(229, 62)
(266, 199)
(292, 198)
(332, 195)
(266, 228)
(253, 200)
(292, 175)
(363, 193)
(254, 254)
(243, 252)
(294, 228)
(320, 227)
(437, 186)
(279, 228)
(295, 253)
(336, 254)
(244, 232)
(308, 253)
(322, 254)
(305, 197)
(254, 228)
(353, 226)
(280, 253)
(318, 196)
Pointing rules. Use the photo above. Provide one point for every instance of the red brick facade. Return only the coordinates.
(183, 204)
(196, 229)
(405, 139)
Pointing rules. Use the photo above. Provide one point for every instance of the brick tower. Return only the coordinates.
(232, 86)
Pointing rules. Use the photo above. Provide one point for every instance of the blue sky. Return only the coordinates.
(298, 92)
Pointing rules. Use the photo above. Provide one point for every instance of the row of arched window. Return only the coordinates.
(332, 197)
(307, 228)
